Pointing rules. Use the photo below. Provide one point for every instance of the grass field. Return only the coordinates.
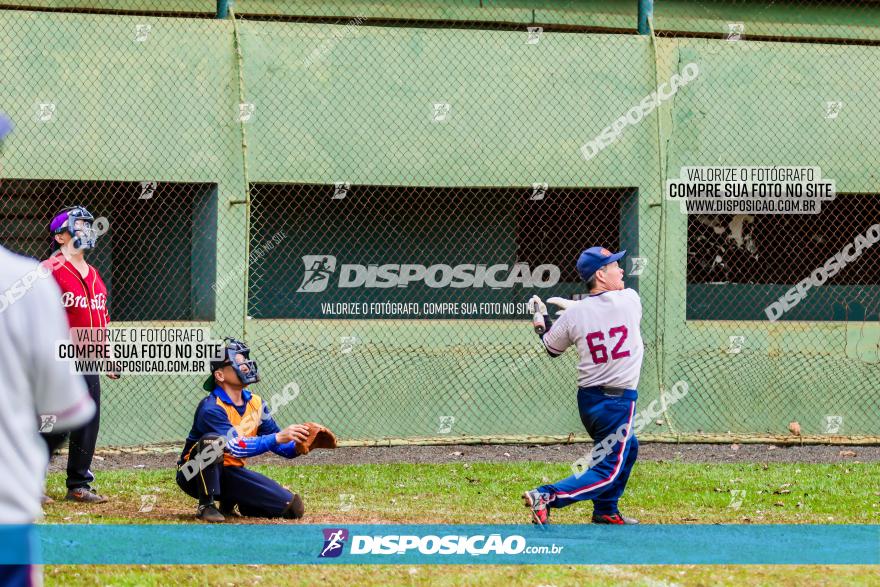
(658, 493)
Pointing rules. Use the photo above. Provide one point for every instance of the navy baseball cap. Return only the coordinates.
(594, 259)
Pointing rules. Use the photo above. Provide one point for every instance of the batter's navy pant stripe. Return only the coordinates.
(615, 472)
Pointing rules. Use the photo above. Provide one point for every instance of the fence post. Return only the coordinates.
(646, 12)
(222, 9)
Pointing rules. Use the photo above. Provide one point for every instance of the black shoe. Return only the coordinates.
(295, 509)
(85, 495)
(616, 519)
(210, 513)
(229, 510)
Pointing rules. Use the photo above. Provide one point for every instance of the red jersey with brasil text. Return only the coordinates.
(84, 298)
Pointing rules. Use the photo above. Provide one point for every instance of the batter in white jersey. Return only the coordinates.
(604, 327)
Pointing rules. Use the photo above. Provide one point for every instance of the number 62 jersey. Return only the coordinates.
(605, 329)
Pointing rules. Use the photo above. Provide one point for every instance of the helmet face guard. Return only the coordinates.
(236, 355)
(239, 357)
(78, 223)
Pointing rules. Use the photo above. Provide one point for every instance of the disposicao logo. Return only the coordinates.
(320, 268)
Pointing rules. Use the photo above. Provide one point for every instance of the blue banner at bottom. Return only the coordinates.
(439, 544)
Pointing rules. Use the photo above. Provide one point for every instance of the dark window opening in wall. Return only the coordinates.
(740, 264)
(318, 247)
(158, 257)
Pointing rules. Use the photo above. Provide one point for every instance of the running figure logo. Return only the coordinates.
(318, 269)
(334, 541)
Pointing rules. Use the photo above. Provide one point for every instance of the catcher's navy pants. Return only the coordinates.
(256, 495)
(603, 417)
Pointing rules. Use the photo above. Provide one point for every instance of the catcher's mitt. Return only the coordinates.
(319, 437)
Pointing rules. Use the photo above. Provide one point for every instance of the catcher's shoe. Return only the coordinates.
(616, 519)
(85, 495)
(295, 509)
(537, 502)
(210, 513)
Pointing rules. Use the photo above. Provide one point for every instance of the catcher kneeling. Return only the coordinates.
(230, 425)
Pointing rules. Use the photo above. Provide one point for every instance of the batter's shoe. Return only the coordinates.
(85, 495)
(537, 503)
(616, 519)
(210, 513)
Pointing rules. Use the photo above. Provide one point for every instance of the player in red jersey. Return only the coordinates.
(84, 297)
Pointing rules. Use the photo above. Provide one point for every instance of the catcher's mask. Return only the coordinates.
(235, 355)
(77, 222)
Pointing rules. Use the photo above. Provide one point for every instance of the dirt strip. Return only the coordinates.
(554, 453)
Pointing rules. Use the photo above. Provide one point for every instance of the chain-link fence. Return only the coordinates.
(369, 192)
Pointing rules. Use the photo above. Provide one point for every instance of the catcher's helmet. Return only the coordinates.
(236, 354)
(77, 222)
